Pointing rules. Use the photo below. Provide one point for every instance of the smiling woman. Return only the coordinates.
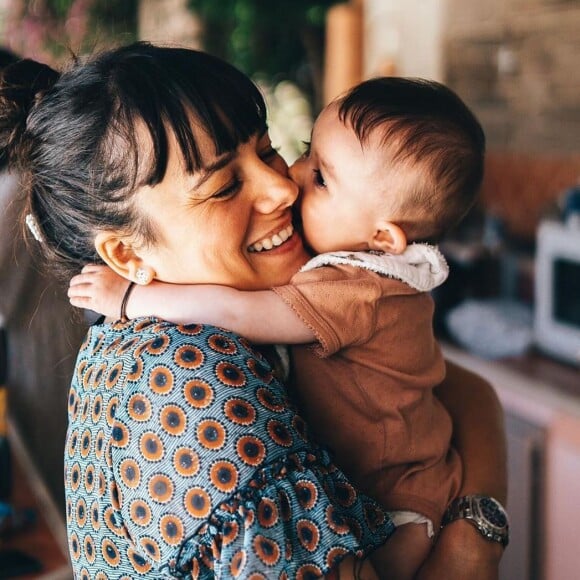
(183, 455)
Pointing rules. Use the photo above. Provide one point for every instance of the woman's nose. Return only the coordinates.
(276, 191)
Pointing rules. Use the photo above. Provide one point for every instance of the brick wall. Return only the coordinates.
(516, 62)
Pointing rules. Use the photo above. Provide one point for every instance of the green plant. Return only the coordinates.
(273, 39)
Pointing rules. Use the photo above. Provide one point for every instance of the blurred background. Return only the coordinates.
(511, 307)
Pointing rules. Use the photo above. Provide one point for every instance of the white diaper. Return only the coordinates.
(400, 518)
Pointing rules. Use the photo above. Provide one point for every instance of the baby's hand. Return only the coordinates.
(98, 288)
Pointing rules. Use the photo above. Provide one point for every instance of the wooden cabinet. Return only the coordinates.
(541, 400)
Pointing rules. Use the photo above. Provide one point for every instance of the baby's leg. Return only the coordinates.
(353, 569)
(403, 554)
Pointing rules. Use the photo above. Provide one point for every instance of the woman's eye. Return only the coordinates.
(229, 190)
(318, 178)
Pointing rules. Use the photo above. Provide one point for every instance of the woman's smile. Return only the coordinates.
(272, 241)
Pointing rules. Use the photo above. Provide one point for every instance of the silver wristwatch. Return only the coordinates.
(484, 512)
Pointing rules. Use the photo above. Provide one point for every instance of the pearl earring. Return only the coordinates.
(143, 276)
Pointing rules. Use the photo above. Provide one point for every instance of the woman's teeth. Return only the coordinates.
(276, 240)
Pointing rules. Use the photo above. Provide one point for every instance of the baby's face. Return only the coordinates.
(338, 181)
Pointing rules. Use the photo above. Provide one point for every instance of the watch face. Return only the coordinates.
(492, 512)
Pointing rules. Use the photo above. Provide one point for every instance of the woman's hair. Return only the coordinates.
(430, 135)
(73, 136)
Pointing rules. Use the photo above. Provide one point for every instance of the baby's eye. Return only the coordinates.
(318, 178)
(306, 148)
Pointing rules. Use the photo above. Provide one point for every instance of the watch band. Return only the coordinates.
(485, 513)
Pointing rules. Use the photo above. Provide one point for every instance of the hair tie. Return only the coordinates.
(34, 228)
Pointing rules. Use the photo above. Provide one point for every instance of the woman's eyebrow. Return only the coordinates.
(208, 170)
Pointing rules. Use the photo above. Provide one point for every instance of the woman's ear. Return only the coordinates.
(390, 238)
(118, 253)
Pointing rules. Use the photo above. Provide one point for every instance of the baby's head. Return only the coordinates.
(392, 161)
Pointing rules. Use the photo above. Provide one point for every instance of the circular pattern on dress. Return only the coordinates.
(72, 443)
(285, 507)
(173, 420)
(75, 477)
(113, 522)
(99, 376)
(119, 435)
(211, 434)
(89, 545)
(335, 555)
(269, 400)
(266, 549)
(156, 346)
(186, 461)
(136, 371)
(99, 444)
(87, 377)
(307, 493)
(308, 534)
(230, 532)
(139, 563)
(344, 494)
(267, 513)
(139, 408)
(151, 446)
(260, 370)
(300, 427)
(115, 495)
(85, 443)
(84, 574)
(127, 345)
(336, 521)
(279, 433)
(151, 548)
(160, 488)
(238, 563)
(95, 516)
(140, 512)
(224, 476)
(308, 572)
(112, 410)
(190, 329)
(189, 357)
(198, 393)
(113, 375)
(81, 513)
(197, 502)
(90, 478)
(161, 380)
(110, 553)
(130, 473)
(97, 409)
(222, 344)
(75, 547)
(251, 450)
(171, 529)
(240, 411)
(230, 374)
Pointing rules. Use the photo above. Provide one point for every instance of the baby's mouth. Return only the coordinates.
(272, 242)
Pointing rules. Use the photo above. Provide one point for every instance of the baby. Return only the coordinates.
(391, 167)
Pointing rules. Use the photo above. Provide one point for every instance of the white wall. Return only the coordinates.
(404, 33)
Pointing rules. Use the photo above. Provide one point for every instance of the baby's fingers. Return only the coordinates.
(81, 301)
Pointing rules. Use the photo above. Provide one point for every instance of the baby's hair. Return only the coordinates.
(430, 135)
(6, 57)
(76, 138)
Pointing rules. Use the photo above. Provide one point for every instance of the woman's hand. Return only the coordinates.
(98, 288)
(462, 553)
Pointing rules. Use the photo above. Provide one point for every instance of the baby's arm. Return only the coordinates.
(261, 316)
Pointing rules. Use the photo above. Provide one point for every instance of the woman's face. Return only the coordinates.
(229, 223)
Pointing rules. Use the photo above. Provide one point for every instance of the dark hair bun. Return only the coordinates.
(22, 85)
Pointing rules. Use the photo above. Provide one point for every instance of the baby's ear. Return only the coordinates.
(389, 238)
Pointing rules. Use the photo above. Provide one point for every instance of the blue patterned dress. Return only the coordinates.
(185, 459)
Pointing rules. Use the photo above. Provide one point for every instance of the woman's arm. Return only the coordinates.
(479, 437)
(261, 316)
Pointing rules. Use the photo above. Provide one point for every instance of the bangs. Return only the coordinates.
(182, 91)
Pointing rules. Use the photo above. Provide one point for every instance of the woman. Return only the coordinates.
(183, 456)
